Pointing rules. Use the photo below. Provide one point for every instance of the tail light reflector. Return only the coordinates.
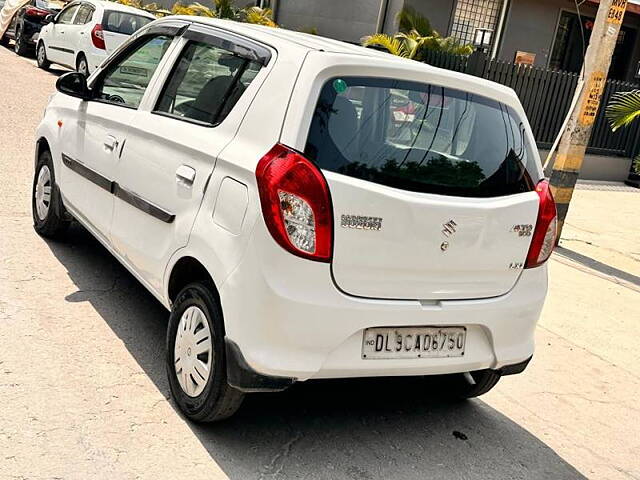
(544, 235)
(296, 204)
(36, 12)
(97, 37)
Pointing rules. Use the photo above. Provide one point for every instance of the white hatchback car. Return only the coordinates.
(86, 32)
(263, 186)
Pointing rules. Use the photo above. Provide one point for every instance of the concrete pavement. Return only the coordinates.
(83, 392)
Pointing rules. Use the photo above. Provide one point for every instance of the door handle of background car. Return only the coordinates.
(111, 143)
(185, 175)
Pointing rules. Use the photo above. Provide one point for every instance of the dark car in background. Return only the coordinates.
(26, 24)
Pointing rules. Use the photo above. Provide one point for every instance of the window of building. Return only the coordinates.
(471, 15)
(568, 51)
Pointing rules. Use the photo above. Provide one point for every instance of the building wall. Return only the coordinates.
(438, 12)
(531, 27)
(347, 20)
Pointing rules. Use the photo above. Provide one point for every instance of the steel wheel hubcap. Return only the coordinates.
(193, 351)
(41, 54)
(43, 192)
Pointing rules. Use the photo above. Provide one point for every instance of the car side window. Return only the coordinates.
(84, 15)
(126, 80)
(66, 16)
(206, 83)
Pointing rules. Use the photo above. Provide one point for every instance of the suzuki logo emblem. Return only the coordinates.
(449, 228)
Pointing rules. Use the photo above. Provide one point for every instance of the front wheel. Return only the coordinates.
(196, 363)
(41, 57)
(50, 219)
(20, 46)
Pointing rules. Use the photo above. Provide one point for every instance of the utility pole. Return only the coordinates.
(575, 138)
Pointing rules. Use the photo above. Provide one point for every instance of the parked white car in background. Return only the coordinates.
(305, 208)
(86, 32)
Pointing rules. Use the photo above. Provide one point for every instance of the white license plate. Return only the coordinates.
(413, 342)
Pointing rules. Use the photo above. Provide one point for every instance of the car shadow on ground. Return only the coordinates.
(359, 429)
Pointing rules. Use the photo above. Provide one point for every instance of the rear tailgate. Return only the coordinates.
(432, 186)
(428, 246)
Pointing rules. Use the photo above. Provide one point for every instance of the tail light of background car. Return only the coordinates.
(544, 235)
(97, 37)
(296, 204)
(36, 12)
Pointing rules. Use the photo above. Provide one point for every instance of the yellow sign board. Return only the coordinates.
(616, 12)
(591, 101)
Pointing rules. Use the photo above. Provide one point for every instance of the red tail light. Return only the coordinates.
(544, 235)
(36, 12)
(296, 204)
(97, 37)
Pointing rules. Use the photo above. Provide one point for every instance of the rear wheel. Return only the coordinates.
(82, 66)
(20, 46)
(41, 57)
(471, 384)
(50, 219)
(196, 363)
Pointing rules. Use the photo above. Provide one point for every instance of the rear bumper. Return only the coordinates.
(288, 320)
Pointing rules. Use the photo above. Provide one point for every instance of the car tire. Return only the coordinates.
(82, 66)
(461, 387)
(4, 41)
(41, 57)
(195, 339)
(20, 46)
(50, 218)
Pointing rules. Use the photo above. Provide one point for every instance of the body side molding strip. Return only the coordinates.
(87, 173)
(142, 204)
(115, 189)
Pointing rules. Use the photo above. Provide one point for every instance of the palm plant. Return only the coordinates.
(226, 9)
(623, 109)
(221, 9)
(415, 36)
(409, 19)
(259, 16)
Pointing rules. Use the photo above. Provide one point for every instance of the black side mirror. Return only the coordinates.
(51, 18)
(74, 84)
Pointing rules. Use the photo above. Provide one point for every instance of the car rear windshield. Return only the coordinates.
(49, 4)
(122, 22)
(420, 137)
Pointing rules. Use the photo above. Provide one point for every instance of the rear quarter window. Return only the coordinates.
(420, 137)
(123, 22)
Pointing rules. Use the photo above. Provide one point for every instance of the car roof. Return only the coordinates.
(281, 39)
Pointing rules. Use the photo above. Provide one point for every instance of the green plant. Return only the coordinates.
(623, 109)
(410, 20)
(415, 36)
(258, 16)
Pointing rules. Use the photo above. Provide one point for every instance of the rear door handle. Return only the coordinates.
(185, 175)
(111, 143)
